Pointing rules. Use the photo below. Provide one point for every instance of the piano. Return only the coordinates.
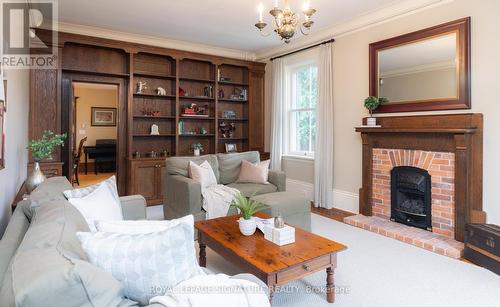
(104, 151)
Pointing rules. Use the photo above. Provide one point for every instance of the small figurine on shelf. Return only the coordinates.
(227, 130)
(203, 130)
(160, 91)
(182, 92)
(136, 155)
(208, 91)
(155, 130)
(221, 93)
(155, 113)
(141, 87)
(197, 148)
(181, 127)
(165, 153)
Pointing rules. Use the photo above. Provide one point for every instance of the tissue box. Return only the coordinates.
(280, 236)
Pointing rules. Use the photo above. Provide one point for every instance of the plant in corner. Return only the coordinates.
(197, 148)
(42, 149)
(247, 207)
(371, 104)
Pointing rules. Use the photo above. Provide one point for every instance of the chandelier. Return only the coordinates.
(287, 22)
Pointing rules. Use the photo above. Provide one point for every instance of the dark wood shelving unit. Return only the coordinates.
(153, 117)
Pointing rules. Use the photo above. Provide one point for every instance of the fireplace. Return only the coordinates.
(411, 197)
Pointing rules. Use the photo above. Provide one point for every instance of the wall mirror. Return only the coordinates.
(423, 71)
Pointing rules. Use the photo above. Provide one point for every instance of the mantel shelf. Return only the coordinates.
(417, 130)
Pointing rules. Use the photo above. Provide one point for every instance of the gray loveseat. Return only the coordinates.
(42, 262)
(183, 195)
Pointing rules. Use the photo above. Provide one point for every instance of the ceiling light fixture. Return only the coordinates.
(286, 22)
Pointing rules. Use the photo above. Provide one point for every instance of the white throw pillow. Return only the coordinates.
(101, 204)
(203, 174)
(147, 265)
(254, 173)
(140, 227)
(82, 192)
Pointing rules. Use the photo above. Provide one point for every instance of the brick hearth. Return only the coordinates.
(411, 235)
(441, 167)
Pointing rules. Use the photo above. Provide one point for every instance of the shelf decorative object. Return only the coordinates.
(227, 129)
(155, 129)
(42, 149)
(286, 22)
(197, 149)
(160, 91)
(141, 87)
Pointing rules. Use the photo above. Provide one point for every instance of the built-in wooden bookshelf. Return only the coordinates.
(221, 90)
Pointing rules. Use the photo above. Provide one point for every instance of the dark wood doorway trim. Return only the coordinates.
(67, 108)
(461, 134)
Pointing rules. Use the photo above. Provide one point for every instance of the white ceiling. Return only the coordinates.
(438, 50)
(221, 23)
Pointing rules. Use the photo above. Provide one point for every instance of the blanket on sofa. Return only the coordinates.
(217, 199)
(214, 291)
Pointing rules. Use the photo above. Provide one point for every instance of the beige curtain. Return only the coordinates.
(323, 154)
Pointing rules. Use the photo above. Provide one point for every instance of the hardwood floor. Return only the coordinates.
(90, 179)
(335, 214)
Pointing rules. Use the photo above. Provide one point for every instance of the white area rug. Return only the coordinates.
(380, 271)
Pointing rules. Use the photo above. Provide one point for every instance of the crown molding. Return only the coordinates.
(362, 22)
(155, 41)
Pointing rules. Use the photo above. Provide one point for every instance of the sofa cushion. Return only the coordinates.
(284, 203)
(50, 266)
(180, 165)
(250, 189)
(229, 164)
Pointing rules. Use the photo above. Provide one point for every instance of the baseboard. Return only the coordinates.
(343, 200)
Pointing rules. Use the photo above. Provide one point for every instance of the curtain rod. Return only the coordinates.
(303, 49)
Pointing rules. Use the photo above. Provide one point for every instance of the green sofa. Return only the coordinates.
(183, 195)
(42, 262)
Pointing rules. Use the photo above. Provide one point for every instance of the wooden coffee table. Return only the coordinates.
(275, 265)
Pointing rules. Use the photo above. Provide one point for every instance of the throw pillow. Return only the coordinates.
(254, 173)
(139, 227)
(203, 174)
(147, 265)
(98, 205)
(82, 192)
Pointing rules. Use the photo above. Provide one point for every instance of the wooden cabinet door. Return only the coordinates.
(145, 180)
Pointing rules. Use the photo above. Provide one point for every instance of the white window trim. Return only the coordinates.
(290, 70)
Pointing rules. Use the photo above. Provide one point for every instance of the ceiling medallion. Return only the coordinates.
(286, 22)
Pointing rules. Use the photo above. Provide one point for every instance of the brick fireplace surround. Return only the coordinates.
(449, 147)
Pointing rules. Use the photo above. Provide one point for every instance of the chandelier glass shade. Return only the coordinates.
(286, 22)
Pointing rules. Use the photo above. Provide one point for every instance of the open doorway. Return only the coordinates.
(94, 132)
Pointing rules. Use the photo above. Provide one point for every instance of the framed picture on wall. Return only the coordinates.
(103, 117)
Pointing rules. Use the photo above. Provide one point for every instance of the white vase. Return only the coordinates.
(371, 121)
(196, 152)
(247, 227)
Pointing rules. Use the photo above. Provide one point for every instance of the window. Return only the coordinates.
(303, 98)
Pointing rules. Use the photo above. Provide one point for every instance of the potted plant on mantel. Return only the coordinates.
(371, 104)
(197, 148)
(42, 149)
(247, 207)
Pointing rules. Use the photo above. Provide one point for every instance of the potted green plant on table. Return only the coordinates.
(197, 148)
(42, 149)
(371, 104)
(247, 207)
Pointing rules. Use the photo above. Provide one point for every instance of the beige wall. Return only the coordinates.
(16, 134)
(351, 87)
(420, 85)
(93, 97)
